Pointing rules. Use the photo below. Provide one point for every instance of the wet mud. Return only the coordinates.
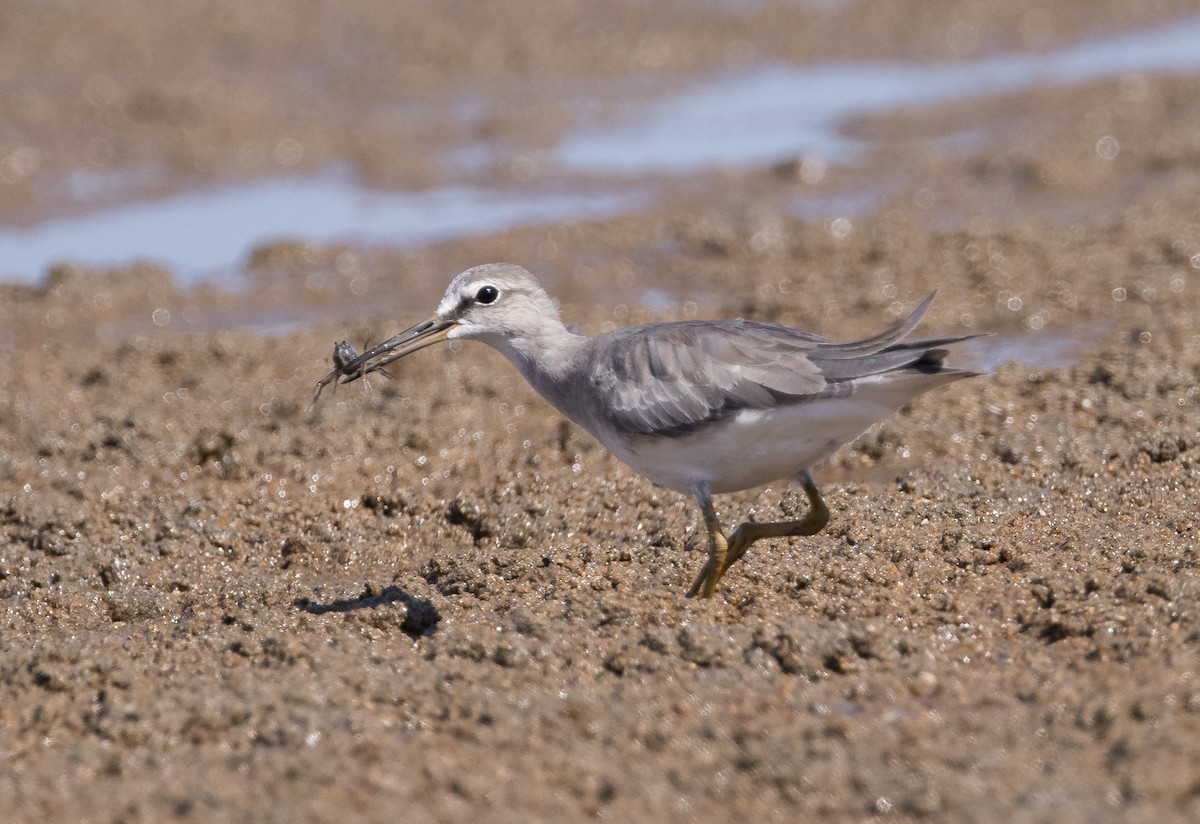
(428, 598)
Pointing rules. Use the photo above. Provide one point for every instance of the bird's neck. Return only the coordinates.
(550, 350)
(546, 358)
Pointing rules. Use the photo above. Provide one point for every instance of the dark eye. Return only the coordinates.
(487, 294)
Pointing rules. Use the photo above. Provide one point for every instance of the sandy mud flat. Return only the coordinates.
(431, 600)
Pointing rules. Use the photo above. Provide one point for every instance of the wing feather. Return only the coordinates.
(672, 378)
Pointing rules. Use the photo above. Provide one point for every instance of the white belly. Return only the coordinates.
(754, 447)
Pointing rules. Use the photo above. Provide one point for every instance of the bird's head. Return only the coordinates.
(495, 303)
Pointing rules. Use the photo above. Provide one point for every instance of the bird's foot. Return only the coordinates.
(706, 582)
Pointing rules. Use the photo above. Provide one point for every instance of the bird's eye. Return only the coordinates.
(487, 294)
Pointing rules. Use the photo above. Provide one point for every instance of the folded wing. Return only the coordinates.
(672, 378)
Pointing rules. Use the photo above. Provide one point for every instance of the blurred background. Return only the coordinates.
(269, 166)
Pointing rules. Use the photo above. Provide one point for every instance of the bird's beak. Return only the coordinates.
(425, 333)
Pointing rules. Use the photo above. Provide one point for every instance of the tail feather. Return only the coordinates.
(877, 343)
(925, 357)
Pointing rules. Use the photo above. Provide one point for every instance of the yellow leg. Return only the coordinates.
(733, 548)
(718, 548)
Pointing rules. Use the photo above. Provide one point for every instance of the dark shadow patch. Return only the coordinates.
(420, 617)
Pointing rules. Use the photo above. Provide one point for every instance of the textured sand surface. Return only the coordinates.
(431, 600)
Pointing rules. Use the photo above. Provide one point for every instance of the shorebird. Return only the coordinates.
(699, 407)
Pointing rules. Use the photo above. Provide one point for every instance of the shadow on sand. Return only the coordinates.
(420, 619)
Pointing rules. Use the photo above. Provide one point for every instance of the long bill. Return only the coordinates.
(426, 333)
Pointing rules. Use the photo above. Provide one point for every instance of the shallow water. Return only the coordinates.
(207, 234)
(768, 113)
(1035, 349)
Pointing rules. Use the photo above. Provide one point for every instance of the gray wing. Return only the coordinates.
(671, 378)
